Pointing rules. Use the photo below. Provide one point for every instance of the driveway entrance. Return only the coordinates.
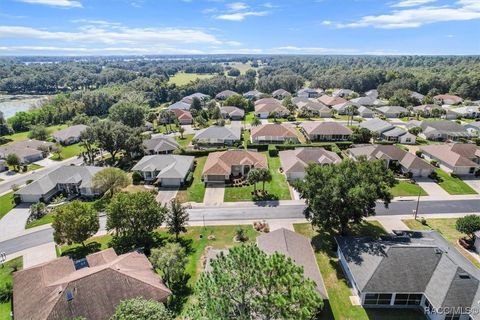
(214, 193)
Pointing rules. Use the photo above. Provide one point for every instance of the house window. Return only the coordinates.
(375, 298)
(408, 140)
(411, 299)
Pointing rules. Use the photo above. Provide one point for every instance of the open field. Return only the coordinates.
(182, 78)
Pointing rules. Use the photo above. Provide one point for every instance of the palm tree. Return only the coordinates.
(255, 121)
(264, 176)
(253, 178)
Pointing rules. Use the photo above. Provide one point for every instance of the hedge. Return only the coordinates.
(272, 150)
(198, 153)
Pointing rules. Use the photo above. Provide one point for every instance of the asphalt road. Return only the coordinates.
(267, 212)
(21, 179)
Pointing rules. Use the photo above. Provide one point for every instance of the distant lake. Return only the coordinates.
(10, 104)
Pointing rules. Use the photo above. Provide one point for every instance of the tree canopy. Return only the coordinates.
(110, 181)
(141, 309)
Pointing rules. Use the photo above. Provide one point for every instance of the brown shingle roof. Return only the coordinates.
(331, 101)
(41, 292)
(457, 155)
(325, 128)
(274, 130)
(297, 160)
(182, 114)
(220, 163)
(269, 105)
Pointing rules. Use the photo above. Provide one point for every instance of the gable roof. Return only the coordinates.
(413, 261)
(220, 132)
(296, 247)
(70, 132)
(182, 114)
(269, 105)
(392, 109)
(344, 105)
(331, 101)
(297, 160)
(232, 111)
(446, 127)
(376, 125)
(179, 105)
(160, 144)
(315, 106)
(220, 163)
(253, 93)
(325, 128)
(281, 92)
(456, 155)
(168, 165)
(188, 99)
(63, 174)
(273, 130)
(225, 94)
(448, 98)
(24, 148)
(56, 290)
(364, 110)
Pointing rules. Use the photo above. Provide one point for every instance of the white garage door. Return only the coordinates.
(170, 182)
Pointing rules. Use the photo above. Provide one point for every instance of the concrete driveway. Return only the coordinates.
(14, 221)
(164, 195)
(473, 182)
(214, 193)
(431, 187)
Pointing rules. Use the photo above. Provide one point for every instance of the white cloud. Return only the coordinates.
(237, 6)
(109, 36)
(240, 16)
(411, 3)
(415, 17)
(53, 50)
(55, 3)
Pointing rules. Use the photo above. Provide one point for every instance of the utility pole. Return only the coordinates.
(418, 203)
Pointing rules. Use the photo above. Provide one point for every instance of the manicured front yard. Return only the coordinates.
(46, 219)
(187, 138)
(453, 185)
(339, 292)
(196, 191)
(405, 188)
(30, 167)
(72, 150)
(195, 241)
(446, 227)
(277, 188)
(6, 277)
(6, 204)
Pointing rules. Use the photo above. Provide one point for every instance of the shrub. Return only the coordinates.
(24, 168)
(15, 187)
(408, 175)
(136, 177)
(189, 179)
(468, 225)
(240, 235)
(272, 150)
(28, 181)
(6, 292)
(434, 176)
(423, 221)
(418, 153)
(477, 141)
(434, 163)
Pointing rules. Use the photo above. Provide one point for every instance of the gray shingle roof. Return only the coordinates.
(376, 125)
(219, 132)
(160, 144)
(179, 105)
(70, 132)
(168, 166)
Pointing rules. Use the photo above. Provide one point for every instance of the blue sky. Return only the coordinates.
(104, 27)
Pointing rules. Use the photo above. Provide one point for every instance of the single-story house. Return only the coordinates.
(440, 130)
(342, 93)
(428, 110)
(202, 97)
(69, 135)
(294, 162)
(71, 180)
(296, 247)
(468, 111)
(308, 93)
(344, 108)
(331, 101)
(252, 95)
(447, 99)
(232, 113)
(166, 169)
(417, 96)
(365, 112)
(183, 116)
(376, 125)
(325, 131)
(281, 94)
(218, 135)
(299, 102)
(90, 288)
(265, 107)
(179, 105)
(393, 155)
(273, 133)
(373, 93)
(365, 101)
(317, 109)
(220, 167)
(399, 135)
(225, 94)
(393, 111)
(473, 128)
(411, 269)
(28, 150)
(160, 145)
(458, 158)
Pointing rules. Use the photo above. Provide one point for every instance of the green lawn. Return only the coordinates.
(248, 117)
(195, 240)
(339, 306)
(405, 188)
(30, 167)
(6, 277)
(46, 219)
(187, 138)
(446, 227)
(277, 188)
(6, 204)
(196, 191)
(246, 138)
(182, 78)
(72, 150)
(453, 185)
(24, 135)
